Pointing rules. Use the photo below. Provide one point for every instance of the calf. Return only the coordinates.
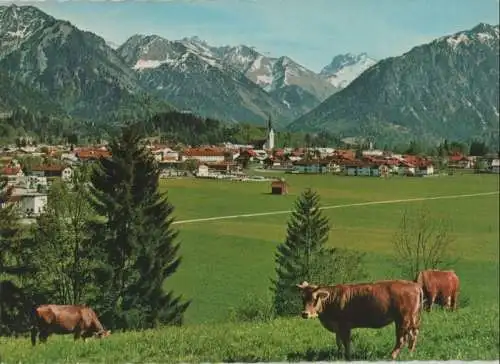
(344, 307)
(440, 287)
(79, 320)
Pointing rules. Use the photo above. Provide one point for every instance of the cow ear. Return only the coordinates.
(322, 295)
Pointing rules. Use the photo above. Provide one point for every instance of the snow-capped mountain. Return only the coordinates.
(88, 76)
(345, 68)
(191, 75)
(447, 88)
(18, 24)
(294, 87)
(42, 57)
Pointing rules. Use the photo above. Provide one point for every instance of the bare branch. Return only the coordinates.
(422, 242)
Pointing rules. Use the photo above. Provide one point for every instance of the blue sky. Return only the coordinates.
(309, 31)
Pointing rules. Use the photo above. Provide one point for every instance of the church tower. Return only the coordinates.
(270, 135)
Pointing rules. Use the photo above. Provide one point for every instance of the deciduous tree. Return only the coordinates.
(422, 242)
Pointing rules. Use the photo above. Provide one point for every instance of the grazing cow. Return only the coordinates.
(440, 287)
(79, 320)
(344, 307)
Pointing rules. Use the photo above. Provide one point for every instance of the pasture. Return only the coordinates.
(227, 263)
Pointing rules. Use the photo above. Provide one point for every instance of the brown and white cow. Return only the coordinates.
(439, 287)
(344, 307)
(79, 320)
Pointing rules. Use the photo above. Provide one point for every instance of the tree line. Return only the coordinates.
(173, 127)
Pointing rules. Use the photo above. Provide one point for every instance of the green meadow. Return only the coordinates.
(228, 263)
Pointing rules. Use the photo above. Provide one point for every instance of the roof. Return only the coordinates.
(278, 183)
(49, 167)
(92, 153)
(10, 171)
(204, 152)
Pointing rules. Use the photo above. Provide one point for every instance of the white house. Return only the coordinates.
(427, 170)
(70, 158)
(67, 174)
(204, 155)
(33, 203)
(202, 171)
(27, 202)
(373, 152)
(32, 182)
(406, 169)
(495, 166)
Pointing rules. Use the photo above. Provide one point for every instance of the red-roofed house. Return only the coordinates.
(458, 160)
(86, 155)
(12, 174)
(53, 170)
(206, 154)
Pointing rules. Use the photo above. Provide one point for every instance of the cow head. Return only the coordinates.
(313, 298)
(102, 333)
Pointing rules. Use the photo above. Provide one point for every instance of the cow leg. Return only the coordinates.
(77, 334)
(401, 333)
(412, 337)
(34, 333)
(432, 299)
(448, 302)
(43, 336)
(345, 336)
(338, 340)
(454, 301)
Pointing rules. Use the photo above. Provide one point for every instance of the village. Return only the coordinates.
(29, 170)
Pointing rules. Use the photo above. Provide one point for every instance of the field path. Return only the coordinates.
(443, 197)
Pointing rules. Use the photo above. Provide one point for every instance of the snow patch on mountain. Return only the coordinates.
(345, 68)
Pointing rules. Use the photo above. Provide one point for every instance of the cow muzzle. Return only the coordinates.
(101, 334)
(308, 315)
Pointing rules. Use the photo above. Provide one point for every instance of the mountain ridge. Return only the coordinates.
(447, 88)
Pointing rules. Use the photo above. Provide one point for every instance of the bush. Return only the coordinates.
(253, 309)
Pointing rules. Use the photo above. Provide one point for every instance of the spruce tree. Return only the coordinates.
(307, 234)
(13, 269)
(135, 237)
(304, 256)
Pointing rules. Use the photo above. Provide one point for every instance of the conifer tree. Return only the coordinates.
(304, 256)
(135, 236)
(13, 269)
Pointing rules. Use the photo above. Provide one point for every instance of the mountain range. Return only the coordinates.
(89, 77)
(447, 88)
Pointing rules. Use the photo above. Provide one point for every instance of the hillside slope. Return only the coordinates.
(445, 89)
(75, 69)
(200, 78)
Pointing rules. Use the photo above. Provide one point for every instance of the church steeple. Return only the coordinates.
(270, 134)
(269, 124)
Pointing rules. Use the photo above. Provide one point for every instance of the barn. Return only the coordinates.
(279, 187)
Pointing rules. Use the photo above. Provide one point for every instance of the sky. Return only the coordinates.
(311, 32)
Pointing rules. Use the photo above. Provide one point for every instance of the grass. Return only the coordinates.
(226, 262)
(468, 334)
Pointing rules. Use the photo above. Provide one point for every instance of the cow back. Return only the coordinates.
(439, 282)
(58, 318)
(371, 305)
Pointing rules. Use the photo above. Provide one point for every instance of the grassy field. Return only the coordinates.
(228, 262)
